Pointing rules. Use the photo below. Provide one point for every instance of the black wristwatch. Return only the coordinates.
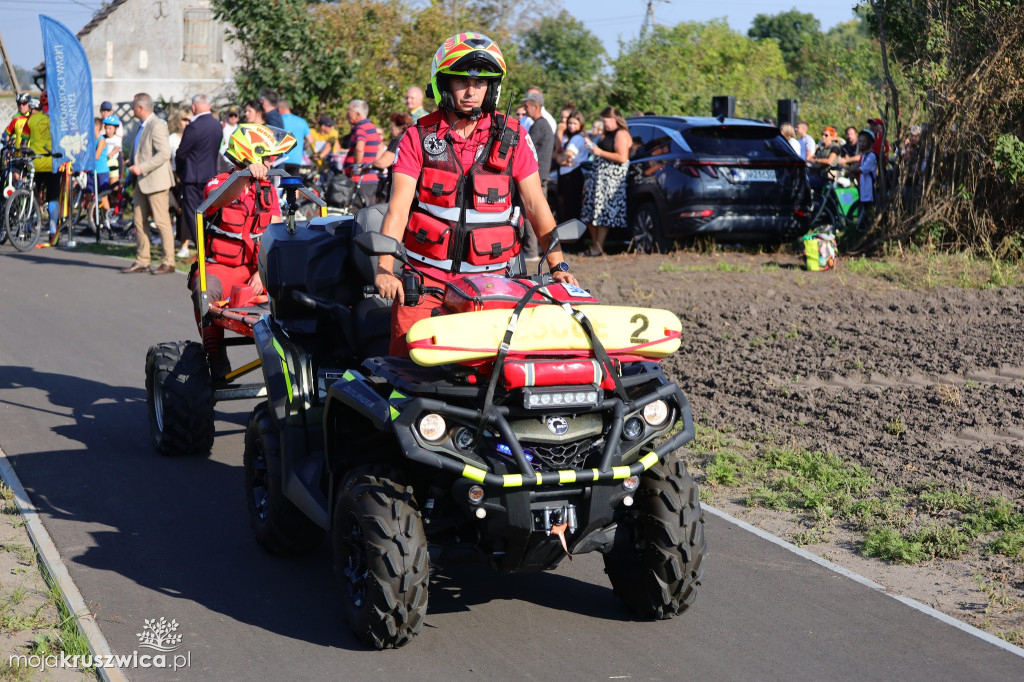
(561, 267)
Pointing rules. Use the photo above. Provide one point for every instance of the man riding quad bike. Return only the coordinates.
(523, 424)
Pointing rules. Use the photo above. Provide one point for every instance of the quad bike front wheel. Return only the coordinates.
(179, 398)
(280, 527)
(655, 565)
(380, 558)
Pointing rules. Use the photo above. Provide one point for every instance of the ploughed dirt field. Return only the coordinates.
(922, 385)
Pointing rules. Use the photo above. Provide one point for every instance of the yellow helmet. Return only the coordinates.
(257, 143)
(467, 54)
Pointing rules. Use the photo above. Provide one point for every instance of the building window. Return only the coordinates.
(203, 43)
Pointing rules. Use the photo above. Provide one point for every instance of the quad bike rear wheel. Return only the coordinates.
(380, 558)
(655, 563)
(280, 527)
(179, 398)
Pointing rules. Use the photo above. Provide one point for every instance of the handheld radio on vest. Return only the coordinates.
(498, 159)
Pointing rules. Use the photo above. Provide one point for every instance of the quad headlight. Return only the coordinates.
(433, 427)
(656, 413)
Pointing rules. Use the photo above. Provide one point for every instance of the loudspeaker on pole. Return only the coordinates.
(723, 105)
(789, 111)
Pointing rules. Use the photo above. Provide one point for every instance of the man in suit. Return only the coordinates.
(151, 166)
(196, 162)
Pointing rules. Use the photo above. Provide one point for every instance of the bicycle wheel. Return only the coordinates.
(825, 214)
(851, 222)
(22, 219)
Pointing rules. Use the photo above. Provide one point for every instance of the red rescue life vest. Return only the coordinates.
(465, 221)
(233, 235)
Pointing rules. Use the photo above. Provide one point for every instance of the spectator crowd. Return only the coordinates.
(172, 160)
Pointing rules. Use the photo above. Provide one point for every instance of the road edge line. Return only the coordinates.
(47, 551)
(856, 577)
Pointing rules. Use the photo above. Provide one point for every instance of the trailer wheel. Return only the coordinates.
(179, 399)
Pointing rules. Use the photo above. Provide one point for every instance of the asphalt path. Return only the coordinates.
(146, 537)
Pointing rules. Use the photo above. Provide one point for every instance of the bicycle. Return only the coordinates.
(74, 188)
(837, 206)
(8, 176)
(23, 217)
(116, 224)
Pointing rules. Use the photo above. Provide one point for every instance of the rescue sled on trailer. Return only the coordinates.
(180, 393)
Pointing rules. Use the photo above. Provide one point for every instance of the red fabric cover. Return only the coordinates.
(470, 293)
(561, 372)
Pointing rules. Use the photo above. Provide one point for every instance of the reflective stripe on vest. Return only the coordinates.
(473, 217)
(446, 265)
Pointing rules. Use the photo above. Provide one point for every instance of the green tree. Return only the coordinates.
(965, 60)
(23, 75)
(678, 69)
(790, 29)
(838, 77)
(565, 60)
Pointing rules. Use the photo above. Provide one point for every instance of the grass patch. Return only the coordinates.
(925, 268)
(1010, 544)
(7, 502)
(128, 251)
(26, 554)
(67, 638)
(107, 249)
(889, 544)
(897, 524)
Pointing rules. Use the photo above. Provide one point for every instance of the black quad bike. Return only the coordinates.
(409, 466)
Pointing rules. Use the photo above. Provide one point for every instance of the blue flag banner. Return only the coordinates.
(69, 90)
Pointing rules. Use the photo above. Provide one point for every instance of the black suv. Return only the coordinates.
(721, 177)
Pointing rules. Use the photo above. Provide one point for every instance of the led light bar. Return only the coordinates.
(566, 396)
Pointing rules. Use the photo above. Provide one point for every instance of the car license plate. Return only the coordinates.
(754, 175)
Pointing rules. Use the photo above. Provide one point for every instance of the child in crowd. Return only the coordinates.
(868, 168)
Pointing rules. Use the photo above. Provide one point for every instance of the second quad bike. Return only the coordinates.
(530, 424)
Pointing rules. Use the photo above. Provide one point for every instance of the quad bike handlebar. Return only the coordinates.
(240, 175)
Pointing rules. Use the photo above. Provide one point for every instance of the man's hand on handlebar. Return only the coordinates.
(565, 278)
(389, 286)
(258, 171)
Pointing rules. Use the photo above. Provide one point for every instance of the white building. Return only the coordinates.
(171, 49)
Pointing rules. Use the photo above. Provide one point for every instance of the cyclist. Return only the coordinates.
(236, 223)
(14, 129)
(37, 130)
(455, 179)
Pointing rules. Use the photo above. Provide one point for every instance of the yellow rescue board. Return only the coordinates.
(542, 330)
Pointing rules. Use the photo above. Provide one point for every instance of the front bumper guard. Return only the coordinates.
(404, 423)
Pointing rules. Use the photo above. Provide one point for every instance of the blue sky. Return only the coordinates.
(609, 20)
